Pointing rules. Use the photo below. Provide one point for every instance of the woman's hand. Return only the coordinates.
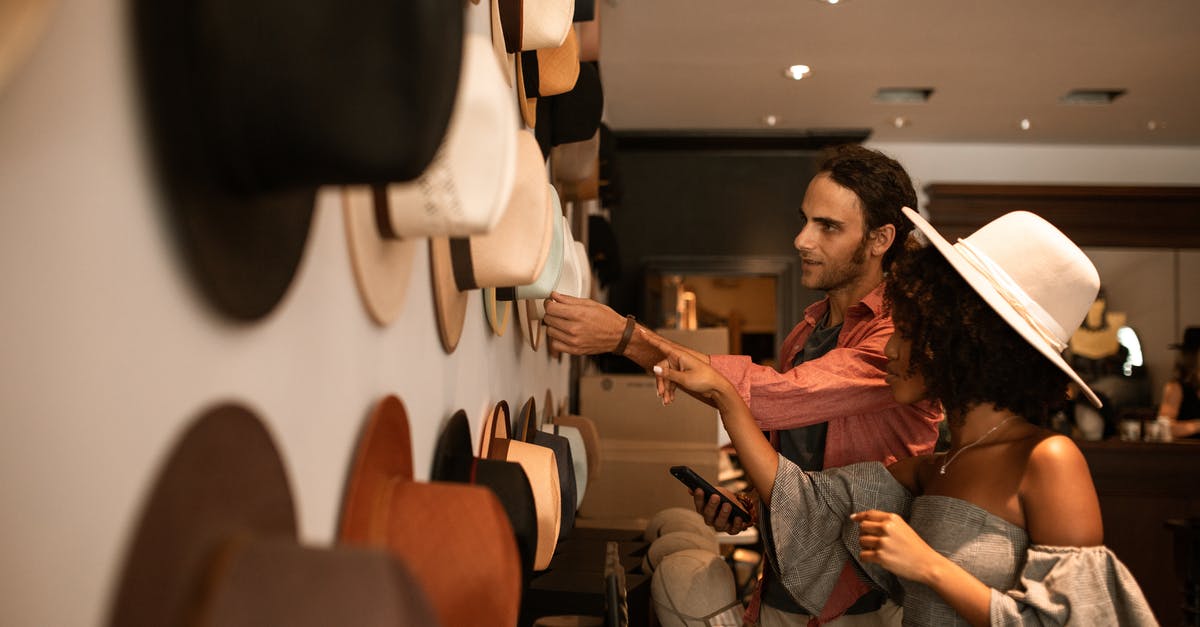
(887, 539)
(718, 514)
(686, 370)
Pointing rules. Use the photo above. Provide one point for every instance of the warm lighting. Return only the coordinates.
(770, 120)
(1154, 125)
(900, 121)
(797, 72)
(1025, 124)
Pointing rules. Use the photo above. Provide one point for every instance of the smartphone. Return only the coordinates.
(692, 480)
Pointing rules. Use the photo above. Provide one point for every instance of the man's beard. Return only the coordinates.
(838, 276)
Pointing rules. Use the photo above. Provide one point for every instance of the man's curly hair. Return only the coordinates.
(966, 352)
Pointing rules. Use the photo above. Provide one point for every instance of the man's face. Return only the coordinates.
(831, 243)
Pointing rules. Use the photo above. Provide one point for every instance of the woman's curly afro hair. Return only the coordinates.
(967, 354)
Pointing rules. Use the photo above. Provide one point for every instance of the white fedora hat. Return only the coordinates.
(1031, 274)
(695, 588)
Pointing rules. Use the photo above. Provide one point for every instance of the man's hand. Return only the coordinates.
(716, 513)
(581, 326)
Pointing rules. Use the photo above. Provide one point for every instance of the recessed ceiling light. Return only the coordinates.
(900, 121)
(903, 95)
(797, 72)
(770, 120)
(1025, 124)
(830, 1)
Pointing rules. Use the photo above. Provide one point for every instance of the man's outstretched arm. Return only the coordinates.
(582, 326)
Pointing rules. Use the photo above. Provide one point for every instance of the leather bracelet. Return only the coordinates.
(630, 324)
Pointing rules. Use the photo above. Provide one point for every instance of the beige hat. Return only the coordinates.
(1031, 274)
(675, 541)
(534, 24)
(497, 312)
(463, 191)
(513, 253)
(502, 55)
(570, 280)
(552, 269)
(675, 519)
(695, 588)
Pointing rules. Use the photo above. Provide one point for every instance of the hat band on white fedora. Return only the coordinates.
(1008, 289)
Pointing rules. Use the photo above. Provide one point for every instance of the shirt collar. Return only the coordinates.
(870, 306)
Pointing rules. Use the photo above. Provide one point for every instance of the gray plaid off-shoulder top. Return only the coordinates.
(809, 535)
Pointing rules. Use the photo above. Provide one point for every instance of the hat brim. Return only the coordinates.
(450, 304)
(497, 312)
(382, 266)
(983, 286)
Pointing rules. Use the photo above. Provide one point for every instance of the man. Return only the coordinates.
(830, 406)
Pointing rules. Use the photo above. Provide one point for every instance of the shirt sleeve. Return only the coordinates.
(808, 532)
(845, 381)
(1083, 585)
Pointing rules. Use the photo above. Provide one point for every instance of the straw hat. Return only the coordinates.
(217, 539)
(1031, 274)
(457, 537)
(546, 72)
(496, 312)
(253, 105)
(534, 24)
(674, 541)
(463, 192)
(695, 588)
(553, 267)
(540, 466)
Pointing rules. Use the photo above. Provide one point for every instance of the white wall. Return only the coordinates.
(108, 351)
(1156, 287)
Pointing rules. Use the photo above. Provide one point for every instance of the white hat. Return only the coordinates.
(675, 519)
(695, 588)
(1031, 274)
(579, 456)
(674, 541)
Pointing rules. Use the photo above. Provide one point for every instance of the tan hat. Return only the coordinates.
(463, 192)
(217, 539)
(533, 24)
(497, 312)
(513, 253)
(676, 519)
(496, 442)
(674, 541)
(505, 58)
(457, 537)
(695, 588)
(1031, 274)
(552, 269)
(546, 72)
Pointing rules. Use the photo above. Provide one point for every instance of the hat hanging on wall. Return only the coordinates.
(463, 191)
(528, 428)
(575, 168)
(217, 539)
(497, 32)
(589, 37)
(591, 440)
(570, 280)
(513, 253)
(573, 116)
(496, 312)
(456, 537)
(540, 467)
(546, 72)
(551, 269)
(255, 103)
(585, 10)
(533, 24)
(454, 461)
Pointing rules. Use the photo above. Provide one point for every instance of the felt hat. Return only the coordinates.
(462, 192)
(695, 588)
(675, 519)
(1191, 340)
(575, 115)
(546, 72)
(454, 460)
(533, 24)
(217, 540)
(513, 253)
(496, 312)
(669, 543)
(575, 162)
(1031, 274)
(458, 537)
(585, 10)
(529, 429)
(579, 460)
(253, 104)
(540, 467)
(603, 252)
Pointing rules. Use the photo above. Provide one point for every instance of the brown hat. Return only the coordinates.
(546, 72)
(217, 544)
(456, 537)
(497, 312)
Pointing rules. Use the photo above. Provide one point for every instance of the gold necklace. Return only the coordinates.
(942, 470)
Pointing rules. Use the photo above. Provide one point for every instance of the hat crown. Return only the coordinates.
(1026, 254)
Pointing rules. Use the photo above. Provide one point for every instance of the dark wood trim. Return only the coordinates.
(737, 140)
(1091, 215)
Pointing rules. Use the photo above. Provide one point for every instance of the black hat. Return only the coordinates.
(1191, 340)
(573, 116)
(255, 103)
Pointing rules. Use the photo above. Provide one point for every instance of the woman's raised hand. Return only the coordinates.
(683, 369)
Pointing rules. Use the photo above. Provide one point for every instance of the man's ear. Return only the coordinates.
(881, 239)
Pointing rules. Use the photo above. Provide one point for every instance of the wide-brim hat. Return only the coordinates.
(540, 467)
(531, 327)
(551, 270)
(496, 312)
(591, 440)
(579, 456)
(454, 460)
(1030, 274)
(528, 428)
(217, 539)
(575, 162)
(533, 24)
(506, 59)
(574, 116)
(458, 537)
(1191, 340)
(462, 192)
(571, 281)
(513, 253)
(252, 105)
(675, 541)
(546, 72)
(695, 588)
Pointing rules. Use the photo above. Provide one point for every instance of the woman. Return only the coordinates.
(1181, 395)
(1005, 526)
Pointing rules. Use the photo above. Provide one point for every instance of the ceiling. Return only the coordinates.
(718, 65)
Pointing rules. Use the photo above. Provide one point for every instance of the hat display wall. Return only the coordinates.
(540, 467)
(546, 72)
(252, 105)
(216, 545)
(513, 253)
(462, 192)
(674, 541)
(695, 588)
(579, 459)
(454, 461)
(456, 537)
(529, 429)
(533, 24)
(1031, 274)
